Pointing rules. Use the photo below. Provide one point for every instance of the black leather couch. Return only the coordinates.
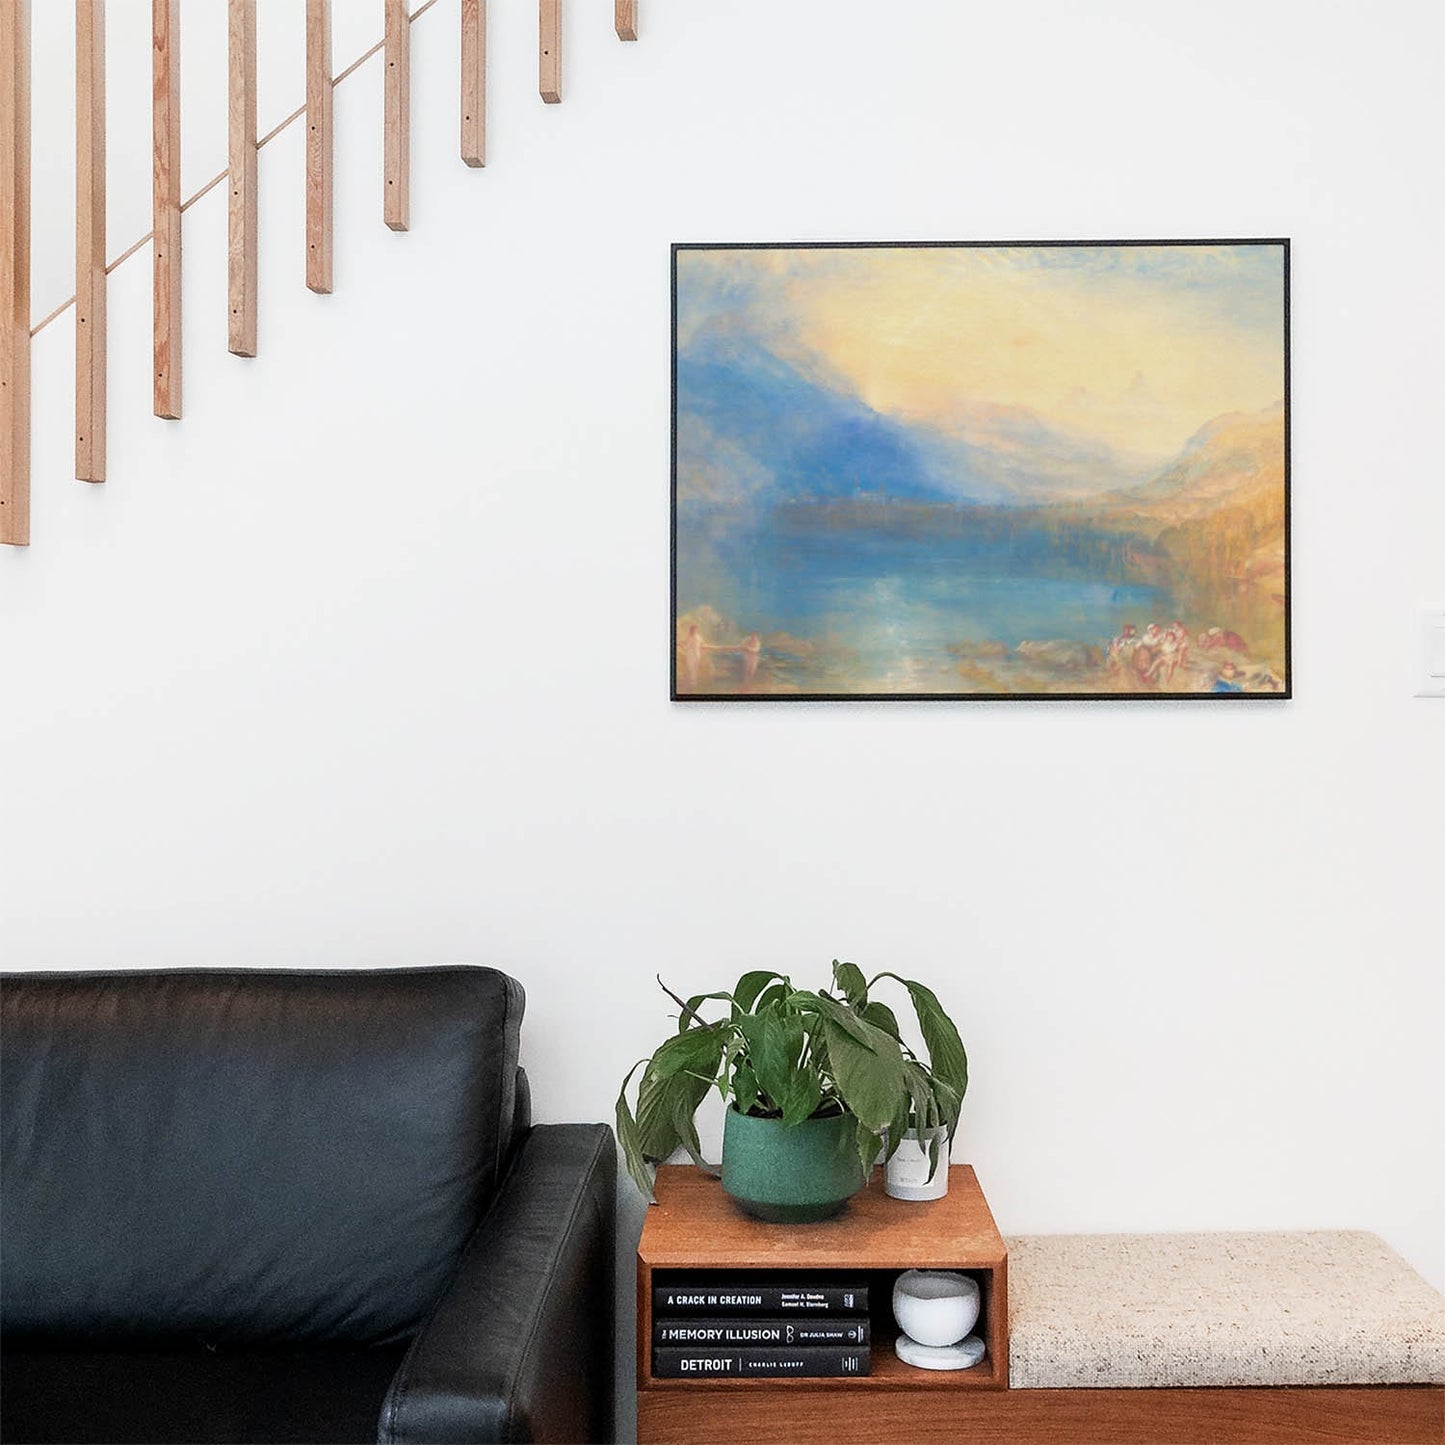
(277, 1206)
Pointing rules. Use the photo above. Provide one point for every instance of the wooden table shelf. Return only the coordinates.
(695, 1229)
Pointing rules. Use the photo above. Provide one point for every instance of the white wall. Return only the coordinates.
(365, 661)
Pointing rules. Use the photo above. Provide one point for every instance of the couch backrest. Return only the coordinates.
(246, 1155)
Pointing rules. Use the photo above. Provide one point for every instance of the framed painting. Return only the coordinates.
(979, 470)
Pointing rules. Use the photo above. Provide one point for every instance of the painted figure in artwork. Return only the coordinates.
(693, 647)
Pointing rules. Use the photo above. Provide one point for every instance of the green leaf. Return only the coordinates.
(922, 1105)
(897, 1126)
(930, 1098)
(867, 1142)
(818, 1046)
(802, 1096)
(881, 1017)
(695, 1050)
(657, 1134)
(774, 993)
(848, 978)
(840, 1016)
(771, 1051)
(665, 1109)
(869, 1075)
(629, 1136)
(866, 1064)
(684, 1106)
(733, 1049)
(819, 1061)
(745, 1087)
(750, 985)
(674, 1084)
(690, 1018)
(946, 1053)
(949, 1104)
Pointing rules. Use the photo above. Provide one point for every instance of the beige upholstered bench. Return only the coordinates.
(1225, 1337)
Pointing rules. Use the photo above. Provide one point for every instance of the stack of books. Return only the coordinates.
(785, 1326)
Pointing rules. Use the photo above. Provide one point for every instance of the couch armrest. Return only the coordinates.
(520, 1346)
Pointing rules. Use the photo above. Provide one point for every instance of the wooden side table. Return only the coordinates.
(695, 1228)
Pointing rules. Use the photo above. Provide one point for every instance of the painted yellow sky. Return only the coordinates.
(1134, 346)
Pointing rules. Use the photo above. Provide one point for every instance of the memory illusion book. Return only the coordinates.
(824, 1330)
(814, 1361)
(741, 1300)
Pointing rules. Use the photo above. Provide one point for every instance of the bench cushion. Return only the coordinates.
(1317, 1308)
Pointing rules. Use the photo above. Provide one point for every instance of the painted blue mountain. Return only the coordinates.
(788, 435)
(754, 429)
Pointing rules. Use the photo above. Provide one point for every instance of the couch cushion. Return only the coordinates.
(1319, 1308)
(246, 1156)
(310, 1396)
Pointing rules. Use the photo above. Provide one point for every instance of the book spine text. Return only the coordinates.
(785, 1330)
(812, 1361)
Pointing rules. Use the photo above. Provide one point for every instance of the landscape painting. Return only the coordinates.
(973, 470)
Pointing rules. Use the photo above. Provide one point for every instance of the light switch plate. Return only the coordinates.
(1432, 655)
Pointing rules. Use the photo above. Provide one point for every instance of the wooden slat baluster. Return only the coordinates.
(15, 272)
(241, 149)
(166, 203)
(549, 50)
(318, 145)
(474, 82)
(624, 19)
(90, 381)
(397, 105)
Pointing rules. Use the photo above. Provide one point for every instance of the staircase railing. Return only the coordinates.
(169, 207)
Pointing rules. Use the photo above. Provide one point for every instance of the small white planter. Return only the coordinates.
(906, 1174)
(935, 1308)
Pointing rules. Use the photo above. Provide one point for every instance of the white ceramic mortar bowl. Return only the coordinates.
(935, 1306)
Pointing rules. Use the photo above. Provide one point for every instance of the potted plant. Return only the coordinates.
(818, 1083)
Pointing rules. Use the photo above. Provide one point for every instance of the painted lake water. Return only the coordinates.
(906, 610)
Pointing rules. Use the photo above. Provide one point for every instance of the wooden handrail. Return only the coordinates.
(220, 176)
(168, 206)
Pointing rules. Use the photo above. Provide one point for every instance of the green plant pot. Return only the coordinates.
(794, 1175)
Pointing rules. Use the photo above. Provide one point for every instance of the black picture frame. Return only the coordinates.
(1282, 693)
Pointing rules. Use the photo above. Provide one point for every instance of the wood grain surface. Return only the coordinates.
(549, 50)
(166, 203)
(90, 315)
(15, 272)
(396, 48)
(241, 219)
(474, 82)
(1306, 1415)
(319, 146)
(695, 1227)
